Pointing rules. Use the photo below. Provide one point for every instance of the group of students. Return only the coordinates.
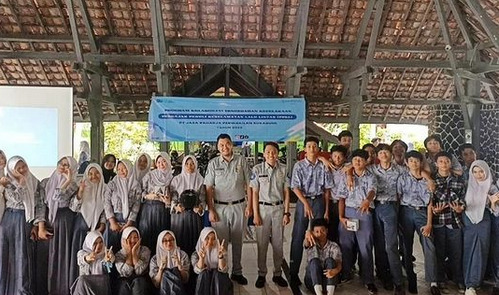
(95, 233)
(376, 198)
(100, 231)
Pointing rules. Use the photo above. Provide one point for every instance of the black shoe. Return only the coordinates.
(371, 288)
(399, 290)
(260, 282)
(434, 290)
(388, 285)
(295, 280)
(240, 279)
(412, 285)
(495, 291)
(280, 281)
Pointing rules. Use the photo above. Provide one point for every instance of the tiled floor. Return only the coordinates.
(354, 287)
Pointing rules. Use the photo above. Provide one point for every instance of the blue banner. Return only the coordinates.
(248, 119)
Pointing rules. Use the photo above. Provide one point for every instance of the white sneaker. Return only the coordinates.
(470, 291)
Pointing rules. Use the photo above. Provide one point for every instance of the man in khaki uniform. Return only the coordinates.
(270, 188)
(227, 185)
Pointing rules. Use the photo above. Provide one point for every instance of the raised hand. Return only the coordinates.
(90, 257)
(494, 198)
(179, 208)
(109, 254)
(166, 199)
(68, 174)
(22, 178)
(150, 196)
(439, 207)
(177, 260)
(221, 249)
(4, 181)
(458, 208)
(202, 252)
(136, 248)
(127, 247)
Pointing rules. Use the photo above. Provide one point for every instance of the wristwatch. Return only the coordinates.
(287, 214)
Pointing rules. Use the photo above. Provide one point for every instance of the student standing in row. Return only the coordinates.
(416, 216)
(386, 211)
(58, 191)
(358, 204)
(477, 224)
(271, 211)
(311, 184)
(23, 221)
(448, 204)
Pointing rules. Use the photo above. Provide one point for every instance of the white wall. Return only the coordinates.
(36, 123)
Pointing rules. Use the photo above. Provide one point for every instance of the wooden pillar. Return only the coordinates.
(96, 118)
(355, 113)
(290, 156)
(472, 135)
(164, 146)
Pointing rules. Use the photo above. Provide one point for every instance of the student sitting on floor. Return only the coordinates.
(323, 257)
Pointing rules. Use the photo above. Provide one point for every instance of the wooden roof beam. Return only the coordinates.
(477, 68)
(112, 40)
(460, 91)
(322, 118)
(296, 70)
(161, 65)
(461, 21)
(362, 29)
(491, 28)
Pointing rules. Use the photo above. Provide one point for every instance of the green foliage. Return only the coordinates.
(127, 140)
(364, 134)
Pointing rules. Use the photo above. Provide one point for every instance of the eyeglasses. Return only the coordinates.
(169, 240)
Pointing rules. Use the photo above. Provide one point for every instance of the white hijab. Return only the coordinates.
(161, 178)
(126, 233)
(211, 259)
(124, 186)
(185, 180)
(139, 174)
(93, 198)
(477, 192)
(31, 186)
(162, 253)
(88, 246)
(54, 183)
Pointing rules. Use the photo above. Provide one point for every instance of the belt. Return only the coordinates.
(229, 203)
(384, 202)
(416, 207)
(271, 203)
(313, 197)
